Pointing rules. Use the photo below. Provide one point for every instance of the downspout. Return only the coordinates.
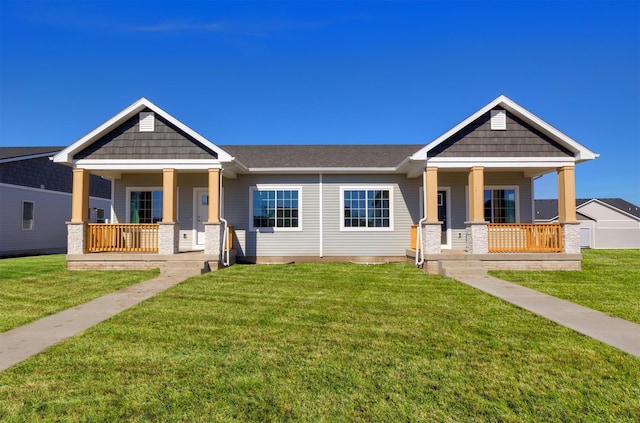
(419, 243)
(225, 233)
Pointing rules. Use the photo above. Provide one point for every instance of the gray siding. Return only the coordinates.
(51, 212)
(127, 142)
(277, 243)
(519, 140)
(406, 210)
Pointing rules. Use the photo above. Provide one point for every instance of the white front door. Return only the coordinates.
(201, 208)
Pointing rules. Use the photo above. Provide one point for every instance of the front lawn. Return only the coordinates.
(324, 342)
(35, 287)
(609, 282)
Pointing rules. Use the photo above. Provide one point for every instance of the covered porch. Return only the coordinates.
(502, 243)
(153, 228)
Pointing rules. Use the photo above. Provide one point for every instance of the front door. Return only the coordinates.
(442, 215)
(201, 208)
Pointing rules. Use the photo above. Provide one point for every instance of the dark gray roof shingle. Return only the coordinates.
(321, 156)
(15, 152)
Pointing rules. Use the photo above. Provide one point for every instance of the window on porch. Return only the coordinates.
(500, 205)
(145, 207)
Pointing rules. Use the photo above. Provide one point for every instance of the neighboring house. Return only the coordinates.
(35, 201)
(604, 222)
(469, 191)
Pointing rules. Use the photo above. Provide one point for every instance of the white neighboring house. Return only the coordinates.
(35, 201)
(605, 223)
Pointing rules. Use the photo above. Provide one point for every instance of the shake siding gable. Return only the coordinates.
(127, 142)
(519, 140)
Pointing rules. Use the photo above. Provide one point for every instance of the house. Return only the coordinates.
(604, 222)
(466, 195)
(35, 199)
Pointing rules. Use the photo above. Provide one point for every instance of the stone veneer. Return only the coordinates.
(168, 238)
(431, 237)
(212, 238)
(477, 237)
(76, 238)
(571, 238)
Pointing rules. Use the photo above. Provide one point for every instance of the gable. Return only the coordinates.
(127, 141)
(519, 139)
(601, 211)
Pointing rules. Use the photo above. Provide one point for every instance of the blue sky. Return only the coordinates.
(329, 72)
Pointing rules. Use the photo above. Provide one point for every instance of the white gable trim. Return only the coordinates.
(581, 153)
(66, 155)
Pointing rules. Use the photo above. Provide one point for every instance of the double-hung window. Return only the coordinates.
(275, 208)
(367, 208)
(500, 205)
(145, 206)
(27, 215)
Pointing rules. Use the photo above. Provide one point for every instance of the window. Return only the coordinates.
(100, 216)
(145, 206)
(275, 208)
(500, 205)
(366, 208)
(27, 215)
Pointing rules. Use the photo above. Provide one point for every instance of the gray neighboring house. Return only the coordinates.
(35, 201)
(605, 223)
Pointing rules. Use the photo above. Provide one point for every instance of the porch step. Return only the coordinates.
(185, 268)
(453, 268)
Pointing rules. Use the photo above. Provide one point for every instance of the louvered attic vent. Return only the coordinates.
(498, 120)
(147, 121)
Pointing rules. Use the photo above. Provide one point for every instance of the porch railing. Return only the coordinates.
(524, 238)
(123, 237)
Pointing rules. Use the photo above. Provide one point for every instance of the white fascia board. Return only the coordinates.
(141, 165)
(66, 155)
(316, 170)
(581, 152)
(499, 162)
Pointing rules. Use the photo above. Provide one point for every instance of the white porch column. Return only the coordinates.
(477, 231)
(77, 228)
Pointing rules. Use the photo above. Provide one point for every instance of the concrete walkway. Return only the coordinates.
(614, 331)
(22, 342)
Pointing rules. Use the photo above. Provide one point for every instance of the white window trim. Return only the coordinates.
(33, 215)
(344, 188)
(516, 188)
(268, 187)
(127, 200)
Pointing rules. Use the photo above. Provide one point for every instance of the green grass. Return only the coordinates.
(324, 342)
(609, 282)
(35, 287)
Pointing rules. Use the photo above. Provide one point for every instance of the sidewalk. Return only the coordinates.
(614, 331)
(22, 342)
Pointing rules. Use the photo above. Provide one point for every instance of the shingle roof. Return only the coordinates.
(321, 156)
(548, 209)
(15, 152)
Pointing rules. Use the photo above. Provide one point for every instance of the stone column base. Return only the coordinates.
(76, 238)
(477, 237)
(168, 238)
(432, 237)
(212, 238)
(571, 238)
